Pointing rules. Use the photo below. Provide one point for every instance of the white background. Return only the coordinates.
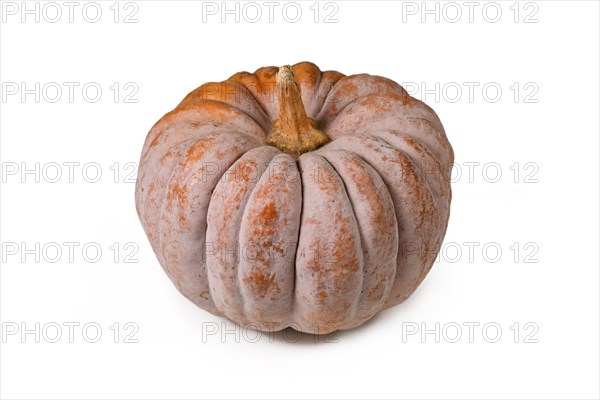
(547, 283)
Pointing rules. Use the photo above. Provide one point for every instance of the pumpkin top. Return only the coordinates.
(299, 109)
(293, 132)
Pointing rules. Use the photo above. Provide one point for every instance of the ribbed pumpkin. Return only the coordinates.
(296, 197)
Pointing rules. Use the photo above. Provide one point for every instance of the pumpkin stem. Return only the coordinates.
(293, 132)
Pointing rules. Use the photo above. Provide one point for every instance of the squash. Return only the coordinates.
(296, 197)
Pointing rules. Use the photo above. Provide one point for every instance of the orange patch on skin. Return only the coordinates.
(344, 245)
(178, 193)
(278, 249)
(349, 90)
(412, 143)
(244, 170)
(322, 297)
(196, 151)
(264, 229)
(261, 284)
(367, 189)
(267, 218)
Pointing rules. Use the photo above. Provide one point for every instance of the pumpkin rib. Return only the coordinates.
(208, 107)
(374, 291)
(168, 187)
(155, 156)
(442, 195)
(255, 83)
(356, 302)
(399, 123)
(425, 265)
(176, 116)
(327, 82)
(309, 90)
(243, 100)
(346, 121)
(408, 216)
(149, 194)
(154, 147)
(415, 149)
(425, 138)
(239, 241)
(352, 101)
(258, 103)
(386, 98)
(350, 88)
(327, 280)
(270, 220)
(195, 132)
(387, 187)
(412, 160)
(415, 163)
(188, 128)
(440, 133)
(438, 180)
(151, 179)
(377, 106)
(232, 231)
(176, 256)
(298, 249)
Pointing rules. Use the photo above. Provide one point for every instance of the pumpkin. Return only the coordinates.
(292, 197)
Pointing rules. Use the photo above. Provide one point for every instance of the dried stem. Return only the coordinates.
(293, 132)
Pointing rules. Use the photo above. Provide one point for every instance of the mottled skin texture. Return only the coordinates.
(321, 241)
